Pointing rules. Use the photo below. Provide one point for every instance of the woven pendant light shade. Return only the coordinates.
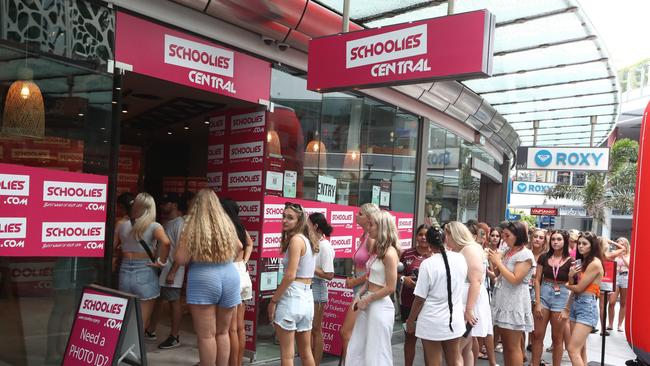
(24, 111)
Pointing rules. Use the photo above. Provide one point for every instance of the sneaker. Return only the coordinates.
(170, 342)
(150, 336)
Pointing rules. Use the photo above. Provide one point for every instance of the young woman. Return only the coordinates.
(573, 242)
(243, 250)
(137, 271)
(538, 245)
(551, 296)
(477, 304)
(292, 304)
(622, 264)
(610, 250)
(209, 244)
(412, 259)
(438, 304)
(359, 277)
(323, 273)
(370, 343)
(511, 311)
(583, 313)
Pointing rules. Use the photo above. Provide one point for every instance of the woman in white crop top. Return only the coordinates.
(370, 342)
(291, 308)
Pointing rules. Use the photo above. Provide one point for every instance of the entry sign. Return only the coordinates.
(543, 211)
(106, 330)
(326, 189)
(564, 158)
(451, 47)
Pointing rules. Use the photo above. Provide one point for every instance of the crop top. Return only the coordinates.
(377, 270)
(307, 263)
(361, 256)
(547, 269)
(131, 244)
(620, 265)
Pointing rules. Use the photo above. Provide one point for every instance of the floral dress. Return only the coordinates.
(511, 303)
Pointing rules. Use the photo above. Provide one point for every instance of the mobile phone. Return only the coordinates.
(468, 329)
(578, 262)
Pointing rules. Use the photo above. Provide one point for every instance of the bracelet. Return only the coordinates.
(161, 262)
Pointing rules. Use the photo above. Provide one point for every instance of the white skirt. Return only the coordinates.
(370, 344)
(483, 313)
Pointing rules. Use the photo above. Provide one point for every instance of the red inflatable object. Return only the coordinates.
(637, 321)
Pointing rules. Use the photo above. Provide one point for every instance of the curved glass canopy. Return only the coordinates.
(549, 66)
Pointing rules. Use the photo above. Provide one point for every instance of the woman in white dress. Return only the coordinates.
(477, 303)
(437, 313)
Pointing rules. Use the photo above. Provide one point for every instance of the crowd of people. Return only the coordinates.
(465, 290)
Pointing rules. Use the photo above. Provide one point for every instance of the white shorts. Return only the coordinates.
(245, 284)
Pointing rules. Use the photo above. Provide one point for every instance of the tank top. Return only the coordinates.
(307, 262)
(361, 256)
(131, 244)
(377, 270)
(620, 265)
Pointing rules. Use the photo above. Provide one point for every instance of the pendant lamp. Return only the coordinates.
(24, 110)
(316, 155)
(273, 143)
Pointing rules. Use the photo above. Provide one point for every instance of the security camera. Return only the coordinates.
(268, 40)
(283, 46)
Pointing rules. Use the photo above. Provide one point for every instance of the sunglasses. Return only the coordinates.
(294, 206)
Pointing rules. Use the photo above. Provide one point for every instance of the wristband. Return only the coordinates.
(160, 262)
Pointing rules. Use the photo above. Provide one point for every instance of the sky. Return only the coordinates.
(623, 26)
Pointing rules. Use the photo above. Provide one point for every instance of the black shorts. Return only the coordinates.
(405, 311)
(170, 293)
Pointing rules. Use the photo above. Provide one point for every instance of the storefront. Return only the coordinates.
(178, 120)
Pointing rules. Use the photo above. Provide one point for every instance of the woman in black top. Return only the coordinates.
(551, 295)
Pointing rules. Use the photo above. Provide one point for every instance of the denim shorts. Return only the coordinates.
(295, 310)
(357, 289)
(621, 280)
(550, 300)
(138, 278)
(213, 284)
(319, 290)
(584, 309)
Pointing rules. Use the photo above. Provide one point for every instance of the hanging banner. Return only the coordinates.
(51, 213)
(594, 159)
(155, 50)
(451, 47)
(339, 300)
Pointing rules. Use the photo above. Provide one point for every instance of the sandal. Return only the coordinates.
(610, 328)
(482, 356)
(621, 330)
(498, 348)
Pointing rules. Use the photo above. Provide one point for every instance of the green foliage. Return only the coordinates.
(531, 220)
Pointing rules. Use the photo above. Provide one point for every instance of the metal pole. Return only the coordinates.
(450, 7)
(535, 128)
(593, 121)
(346, 16)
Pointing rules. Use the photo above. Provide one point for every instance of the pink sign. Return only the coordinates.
(346, 233)
(46, 213)
(96, 329)
(338, 303)
(158, 51)
(452, 47)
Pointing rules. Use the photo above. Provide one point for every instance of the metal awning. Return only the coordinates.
(550, 68)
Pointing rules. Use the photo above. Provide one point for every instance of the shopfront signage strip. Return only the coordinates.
(543, 211)
(564, 158)
(451, 47)
(536, 188)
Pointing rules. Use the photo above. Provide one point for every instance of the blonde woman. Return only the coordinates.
(359, 277)
(622, 264)
(292, 305)
(208, 243)
(139, 238)
(370, 343)
(477, 304)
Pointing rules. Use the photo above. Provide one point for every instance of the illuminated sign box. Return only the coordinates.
(452, 47)
(543, 211)
(594, 159)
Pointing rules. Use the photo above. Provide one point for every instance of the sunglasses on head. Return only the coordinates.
(294, 206)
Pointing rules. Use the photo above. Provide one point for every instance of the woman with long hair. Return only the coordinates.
(243, 253)
(323, 273)
(511, 310)
(538, 245)
(477, 304)
(583, 311)
(610, 251)
(412, 258)
(358, 279)
(370, 344)
(292, 305)
(436, 316)
(622, 264)
(551, 296)
(208, 244)
(139, 238)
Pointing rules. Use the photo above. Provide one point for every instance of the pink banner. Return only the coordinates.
(451, 47)
(96, 329)
(46, 213)
(345, 235)
(338, 304)
(162, 52)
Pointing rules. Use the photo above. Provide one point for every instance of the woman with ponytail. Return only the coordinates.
(437, 312)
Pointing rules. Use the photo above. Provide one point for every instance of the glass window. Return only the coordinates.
(563, 178)
(579, 179)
